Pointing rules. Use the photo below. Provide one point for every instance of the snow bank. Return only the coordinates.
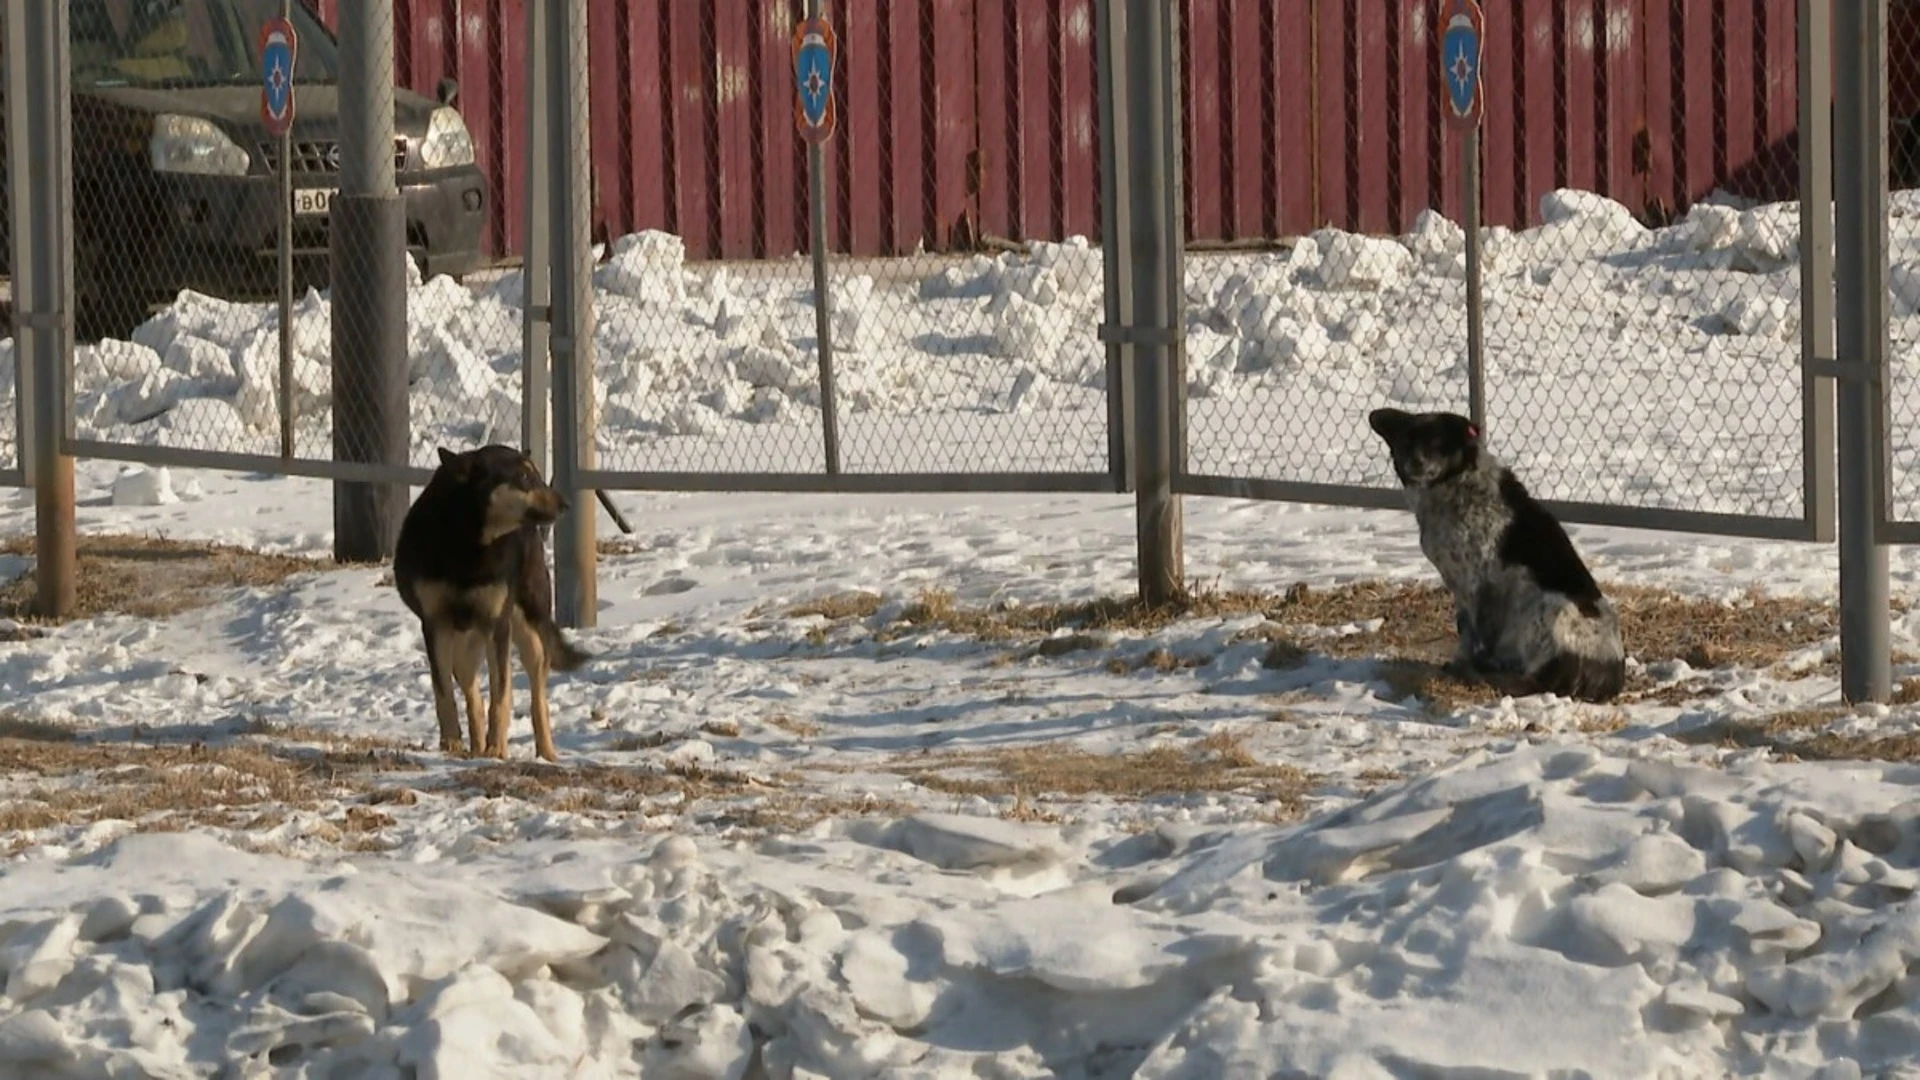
(1580, 913)
(138, 485)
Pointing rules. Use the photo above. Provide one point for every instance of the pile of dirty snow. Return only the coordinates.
(1576, 913)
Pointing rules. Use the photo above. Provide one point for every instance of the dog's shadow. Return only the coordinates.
(1446, 688)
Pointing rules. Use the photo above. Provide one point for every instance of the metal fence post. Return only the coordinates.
(536, 261)
(1815, 42)
(822, 295)
(1174, 194)
(576, 600)
(40, 165)
(368, 276)
(1155, 277)
(1116, 280)
(1860, 280)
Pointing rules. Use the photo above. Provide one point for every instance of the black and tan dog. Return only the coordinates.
(472, 565)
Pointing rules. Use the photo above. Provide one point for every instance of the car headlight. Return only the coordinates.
(447, 143)
(188, 144)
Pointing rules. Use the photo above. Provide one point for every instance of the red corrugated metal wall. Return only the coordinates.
(1330, 112)
(968, 118)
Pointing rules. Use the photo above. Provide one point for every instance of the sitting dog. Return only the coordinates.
(1524, 603)
(471, 564)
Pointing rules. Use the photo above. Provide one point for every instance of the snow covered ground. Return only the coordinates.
(829, 806)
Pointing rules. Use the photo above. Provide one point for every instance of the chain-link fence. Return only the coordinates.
(12, 404)
(186, 200)
(1639, 253)
(1641, 277)
(1903, 270)
(11, 417)
(961, 206)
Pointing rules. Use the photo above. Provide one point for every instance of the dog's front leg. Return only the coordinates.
(1466, 643)
(1493, 652)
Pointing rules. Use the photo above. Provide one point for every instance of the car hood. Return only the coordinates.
(236, 109)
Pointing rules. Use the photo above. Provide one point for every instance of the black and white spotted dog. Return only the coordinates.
(1524, 603)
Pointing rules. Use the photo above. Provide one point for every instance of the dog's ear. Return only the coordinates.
(1464, 429)
(447, 457)
(1389, 424)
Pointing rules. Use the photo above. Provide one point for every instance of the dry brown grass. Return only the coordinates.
(1799, 734)
(1432, 684)
(333, 740)
(1832, 747)
(1218, 764)
(1407, 625)
(73, 782)
(588, 787)
(805, 729)
(642, 740)
(773, 805)
(1775, 730)
(936, 609)
(151, 577)
(1610, 722)
(1411, 620)
(1229, 748)
(19, 727)
(837, 607)
(790, 811)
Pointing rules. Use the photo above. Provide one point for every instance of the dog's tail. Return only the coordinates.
(561, 653)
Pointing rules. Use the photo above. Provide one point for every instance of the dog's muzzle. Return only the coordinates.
(546, 505)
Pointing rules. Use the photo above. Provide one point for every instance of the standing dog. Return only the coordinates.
(471, 564)
(1524, 602)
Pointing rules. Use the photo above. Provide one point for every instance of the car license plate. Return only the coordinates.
(312, 202)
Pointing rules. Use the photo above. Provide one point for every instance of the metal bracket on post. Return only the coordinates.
(1162, 336)
(1844, 371)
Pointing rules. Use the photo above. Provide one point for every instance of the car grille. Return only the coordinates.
(322, 155)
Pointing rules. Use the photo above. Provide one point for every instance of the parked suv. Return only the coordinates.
(173, 167)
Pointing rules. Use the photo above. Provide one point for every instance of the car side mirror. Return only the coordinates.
(447, 90)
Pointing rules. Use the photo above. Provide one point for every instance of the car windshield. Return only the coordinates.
(177, 43)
